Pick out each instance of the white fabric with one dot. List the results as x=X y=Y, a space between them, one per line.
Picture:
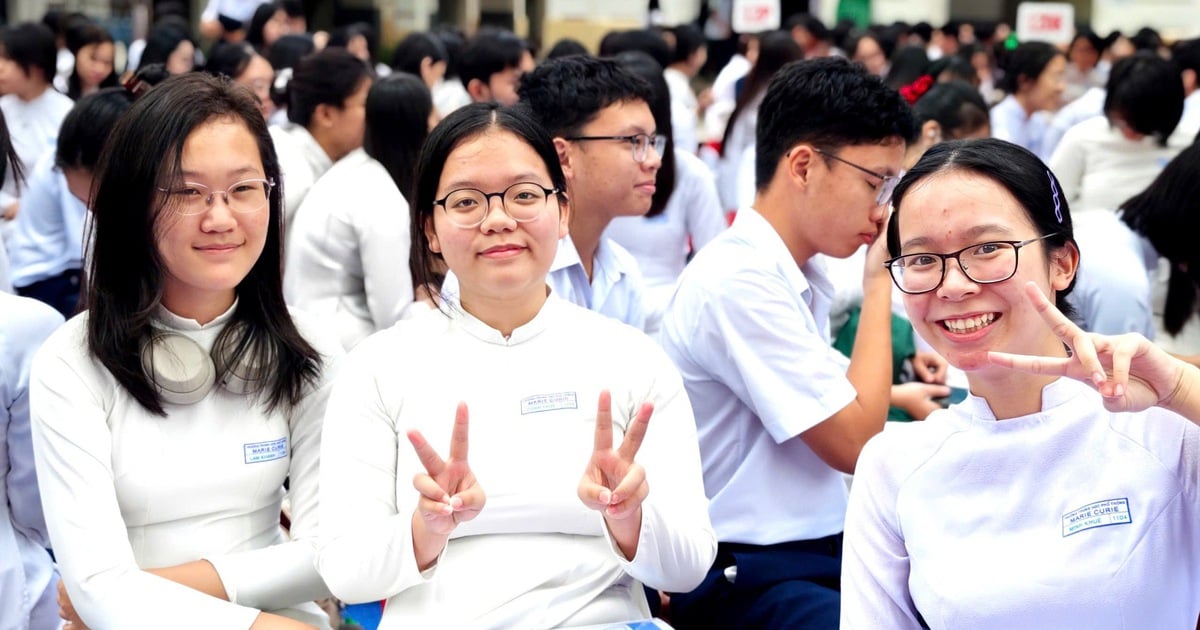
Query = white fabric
x=685 y=118
x=347 y=263
x=125 y=490
x=740 y=138
x=1189 y=123
x=1100 y=169
x=976 y=523
x=302 y=161
x=535 y=557
x=661 y=244
x=28 y=578
x=724 y=94
x=33 y=128
x=49 y=231
x=449 y=95
x=1011 y=123
x=241 y=10
x=1090 y=104
x=749 y=332
x=1116 y=268
x=5 y=282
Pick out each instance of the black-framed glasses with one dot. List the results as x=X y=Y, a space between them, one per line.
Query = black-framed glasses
x=981 y=263
x=641 y=143
x=244 y=197
x=468 y=207
x=888 y=183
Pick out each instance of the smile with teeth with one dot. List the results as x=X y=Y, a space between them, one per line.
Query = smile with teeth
x=969 y=324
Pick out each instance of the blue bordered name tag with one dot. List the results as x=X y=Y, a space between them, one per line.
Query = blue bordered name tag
x=1098 y=514
x=265 y=451
x=549 y=402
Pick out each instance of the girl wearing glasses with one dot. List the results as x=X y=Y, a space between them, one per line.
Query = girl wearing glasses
x=1064 y=491
x=503 y=532
x=167 y=417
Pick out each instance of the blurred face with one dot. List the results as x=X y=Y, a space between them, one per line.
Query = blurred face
x=348 y=122
x=182 y=59
x=1046 y=92
x=502 y=86
x=79 y=182
x=208 y=254
x=962 y=319
x=501 y=259
x=94 y=63
x=276 y=27
x=870 y=55
x=602 y=173
x=432 y=71
x=842 y=199
x=14 y=80
x=1083 y=54
x=357 y=46
x=258 y=76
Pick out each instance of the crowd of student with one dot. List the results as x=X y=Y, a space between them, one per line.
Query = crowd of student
x=506 y=343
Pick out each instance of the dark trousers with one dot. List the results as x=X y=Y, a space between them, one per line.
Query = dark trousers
x=787 y=585
x=60 y=292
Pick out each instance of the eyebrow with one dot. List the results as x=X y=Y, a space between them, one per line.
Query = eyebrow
x=528 y=176
x=237 y=172
x=974 y=232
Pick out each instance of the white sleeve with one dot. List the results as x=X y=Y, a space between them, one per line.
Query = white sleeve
x=705 y=218
x=875 y=564
x=1069 y=162
x=210 y=10
x=368 y=554
x=384 y=244
x=73 y=449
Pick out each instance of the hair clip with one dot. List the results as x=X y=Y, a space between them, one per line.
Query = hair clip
x=915 y=90
x=136 y=87
x=1057 y=200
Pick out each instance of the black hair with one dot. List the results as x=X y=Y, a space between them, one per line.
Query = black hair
x=10 y=163
x=31 y=45
x=1186 y=54
x=489 y=52
x=1082 y=31
x=283 y=57
x=1147 y=38
x=1165 y=213
x=776 y=49
x=146 y=77
x=908 y=63
x=415 y=48
x=461 y=125
x=957 y=107
x=923 y=31
x=1012 y=167
x=398 y=109
x=87 y=126
x=957 y=66
x=883 y=37
x=78 y=37
x=162 y=41
x=126 y=278
x=1028 y=60
x=566 y=47
x=294 y=8
x=567 y=93
x=327 y=77
x=830 y=103
x=230 y=59
x=342 y=36
x=810 y=23
x=1146 y=91
x=688 y=39
x=258 y=23
x=645 y=40
x=647 y=68
x=453 y=41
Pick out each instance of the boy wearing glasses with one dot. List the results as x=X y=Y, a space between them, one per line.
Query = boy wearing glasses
x=780 y=414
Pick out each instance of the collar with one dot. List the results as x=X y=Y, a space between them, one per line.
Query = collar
x=473 y=326
x=802 y=279
x=1059 y=393
x=171 y=321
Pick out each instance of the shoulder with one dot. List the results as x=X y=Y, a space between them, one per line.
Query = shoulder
x=622 y=259
x=67 y=348
x=690 y=166
x=321 y=337
x=27 y=320
x=904 y=447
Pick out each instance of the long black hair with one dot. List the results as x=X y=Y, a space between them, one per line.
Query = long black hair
x=77 y=38
x=775 y=50
x=398 y=109
x=126 y=278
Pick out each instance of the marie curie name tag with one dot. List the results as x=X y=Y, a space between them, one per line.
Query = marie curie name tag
x=549 y=402
x=265 y=451
x=1098 y=514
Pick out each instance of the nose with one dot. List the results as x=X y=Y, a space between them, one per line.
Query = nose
x=218 y=216
x=653 y=159
x=955 y=283
x=495 y=217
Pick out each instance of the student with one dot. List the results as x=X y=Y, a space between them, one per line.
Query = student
x=540 y=547
x=687 y=58
x=492 y=64
x=422 y=55
x=608 y=143
x=348 y=263
x=170 y=44
x=780 y=414
x=94 y=51
x=168 y=415
x=947 y=110
x=1033 y=80
x=267 y=25
x=1061 y=493
x=246 y=67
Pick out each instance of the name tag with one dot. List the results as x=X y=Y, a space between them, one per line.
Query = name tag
x=549 y=402
x=1098 y=514
x=265 y=451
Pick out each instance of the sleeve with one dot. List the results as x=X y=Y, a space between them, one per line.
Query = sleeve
x=705 y=219
x=5 y=282
x=875 y=563
x=384 y=244
x=73 y=450
x=39 y=236
x=676 y=545
x=286 y=574
x=1069 y=162
x=368 y=550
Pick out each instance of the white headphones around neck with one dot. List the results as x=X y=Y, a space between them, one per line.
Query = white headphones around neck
x=183 y=373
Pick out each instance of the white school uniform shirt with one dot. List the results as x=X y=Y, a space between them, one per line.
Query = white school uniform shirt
x=28 y=579
x=5 y=283
x=1089 y=105
x=749 y=331
x=661 y=244
x=1099 y=168
x=741 y=137
x=347 y=264
x=1010 y=122
x=1072 y=517
x=685 y=117
x=241 y=10
x=535 y=556
x=1189 y=123
x=724 y=94
x=1117 y=267
x=33 y=128
x=49 y=231
x=125 y=490
x=302 y=162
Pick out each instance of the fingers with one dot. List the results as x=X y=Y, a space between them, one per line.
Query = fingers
x=468 y=503
x=1057 y=366
x=636 y=432
x=1066 y=330
x=1122 y=356
x=458 y=439
x=629 y=493
x=604 y=430
x=930 y=367
x=429 y=488
x=429 y=458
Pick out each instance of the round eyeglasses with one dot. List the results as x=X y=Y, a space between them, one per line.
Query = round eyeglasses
x=468 y=207
x=981 y=263
x=641 y=143
x=244 y=197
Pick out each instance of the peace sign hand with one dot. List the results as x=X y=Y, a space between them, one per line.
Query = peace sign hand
x=449 y=492
x=1129 y=371
x=613 y=483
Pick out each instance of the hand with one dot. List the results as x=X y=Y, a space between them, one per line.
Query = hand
x=917 y=399
x=877 y=254
x=930 y=367
x=449 y=492
x=1129 y=371
x=67 y=611
x=10 y=211
x=613 y=483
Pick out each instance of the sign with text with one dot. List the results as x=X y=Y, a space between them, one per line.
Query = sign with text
x=1052 y=22
x=755 y=16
